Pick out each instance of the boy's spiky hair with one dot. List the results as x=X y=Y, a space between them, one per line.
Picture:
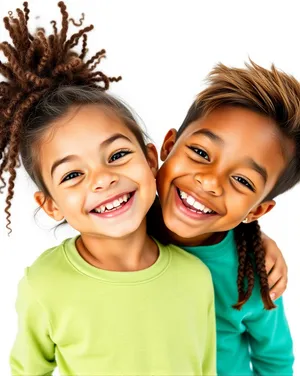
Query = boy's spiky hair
x=36 y=64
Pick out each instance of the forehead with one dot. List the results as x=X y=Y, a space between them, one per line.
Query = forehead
x=245 y=133
x=82 y=128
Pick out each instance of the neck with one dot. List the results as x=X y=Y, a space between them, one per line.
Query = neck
x=203 y=239
x=132 y=252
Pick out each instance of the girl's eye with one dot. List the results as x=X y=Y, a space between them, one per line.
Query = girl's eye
x=200 y=152
x=71 y=175
x=119 y=154
x=244 y=182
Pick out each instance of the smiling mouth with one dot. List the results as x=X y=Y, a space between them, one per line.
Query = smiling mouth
x=116 y=204
x=194 y=205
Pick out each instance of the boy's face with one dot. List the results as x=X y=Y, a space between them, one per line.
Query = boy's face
x=219 y=171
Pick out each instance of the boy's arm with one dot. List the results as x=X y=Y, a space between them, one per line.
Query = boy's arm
x=270 y=342
x=33 y=350
x=276 y=267
x=210 y=358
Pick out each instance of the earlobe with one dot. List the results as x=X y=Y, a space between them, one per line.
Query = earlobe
x=168 y=144
x=260 y=210
x=48 y=205
x=152 y=158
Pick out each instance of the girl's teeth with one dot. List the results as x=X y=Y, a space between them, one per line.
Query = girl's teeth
x=116 y=203
x=111 y=205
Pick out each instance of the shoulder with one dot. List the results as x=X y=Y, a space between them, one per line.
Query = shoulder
x=48 y=269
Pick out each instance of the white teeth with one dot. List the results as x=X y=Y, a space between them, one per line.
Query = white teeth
x=191 y=201
x=183 y=194
x=125 y=198
x=116 y=203
x=198 y=206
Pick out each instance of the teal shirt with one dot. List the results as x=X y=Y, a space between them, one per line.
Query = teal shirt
x=250 y=336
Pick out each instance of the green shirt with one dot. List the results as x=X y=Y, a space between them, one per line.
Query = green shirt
x=252 y=335
x=88 y=321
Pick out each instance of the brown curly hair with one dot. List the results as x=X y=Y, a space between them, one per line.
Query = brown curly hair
x=43 y=77
x=276 y=95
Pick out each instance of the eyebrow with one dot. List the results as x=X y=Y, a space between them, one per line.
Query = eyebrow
x=258 y=168
x=104 y=144
x=211 y=135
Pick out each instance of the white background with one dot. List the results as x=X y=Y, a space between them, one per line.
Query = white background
x=163 y=50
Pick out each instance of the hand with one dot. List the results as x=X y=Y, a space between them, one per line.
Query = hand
x=276 y=267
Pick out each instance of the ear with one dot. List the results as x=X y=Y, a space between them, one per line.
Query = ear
x=169 y=142
x=260 y=210
x=152 y=158
x=48 y=205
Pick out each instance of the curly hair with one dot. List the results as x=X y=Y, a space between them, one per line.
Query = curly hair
x=271 y=93
x=43 y=77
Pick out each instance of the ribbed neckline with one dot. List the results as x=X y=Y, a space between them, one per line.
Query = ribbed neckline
x=115 y=277
x=206 y=252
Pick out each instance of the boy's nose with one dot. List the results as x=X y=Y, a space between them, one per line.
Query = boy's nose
x=210 y=183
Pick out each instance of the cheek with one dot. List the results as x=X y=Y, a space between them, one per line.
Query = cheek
x=70 y=201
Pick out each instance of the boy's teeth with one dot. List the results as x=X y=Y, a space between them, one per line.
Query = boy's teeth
x=191 y=201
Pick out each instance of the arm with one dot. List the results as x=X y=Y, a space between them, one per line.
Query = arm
x=275 y=266
x=210 y=362
x=270 y=342
x=33 y=350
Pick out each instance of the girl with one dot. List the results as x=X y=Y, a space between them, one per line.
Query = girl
x=112 y=300
x=237 y=149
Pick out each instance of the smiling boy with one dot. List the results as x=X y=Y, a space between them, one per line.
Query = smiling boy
x=236 y=150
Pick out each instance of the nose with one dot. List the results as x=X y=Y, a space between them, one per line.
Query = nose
x=210 y=183
x=103 y=179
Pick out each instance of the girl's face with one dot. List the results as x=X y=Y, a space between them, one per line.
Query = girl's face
x=219 y=171
x=99 y=179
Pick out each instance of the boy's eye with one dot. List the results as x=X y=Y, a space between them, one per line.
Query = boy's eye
x=119 y=154
x=200 y=152
x=244 y=182
x=71 y=175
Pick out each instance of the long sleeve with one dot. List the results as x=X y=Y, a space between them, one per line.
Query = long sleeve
x=210 y=361
x=33 y=350
x=270 y=341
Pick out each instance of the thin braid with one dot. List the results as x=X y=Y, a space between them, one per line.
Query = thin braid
x=46 y=52
x=259 y=257
x=80 y=22
x=240 y=239
x=95 y=57
x=84 y=47
x=64 y=29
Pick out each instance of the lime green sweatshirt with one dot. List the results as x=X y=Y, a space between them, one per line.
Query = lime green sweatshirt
x=88 y=321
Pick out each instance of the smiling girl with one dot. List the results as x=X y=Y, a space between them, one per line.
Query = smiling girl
x=112 y=300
